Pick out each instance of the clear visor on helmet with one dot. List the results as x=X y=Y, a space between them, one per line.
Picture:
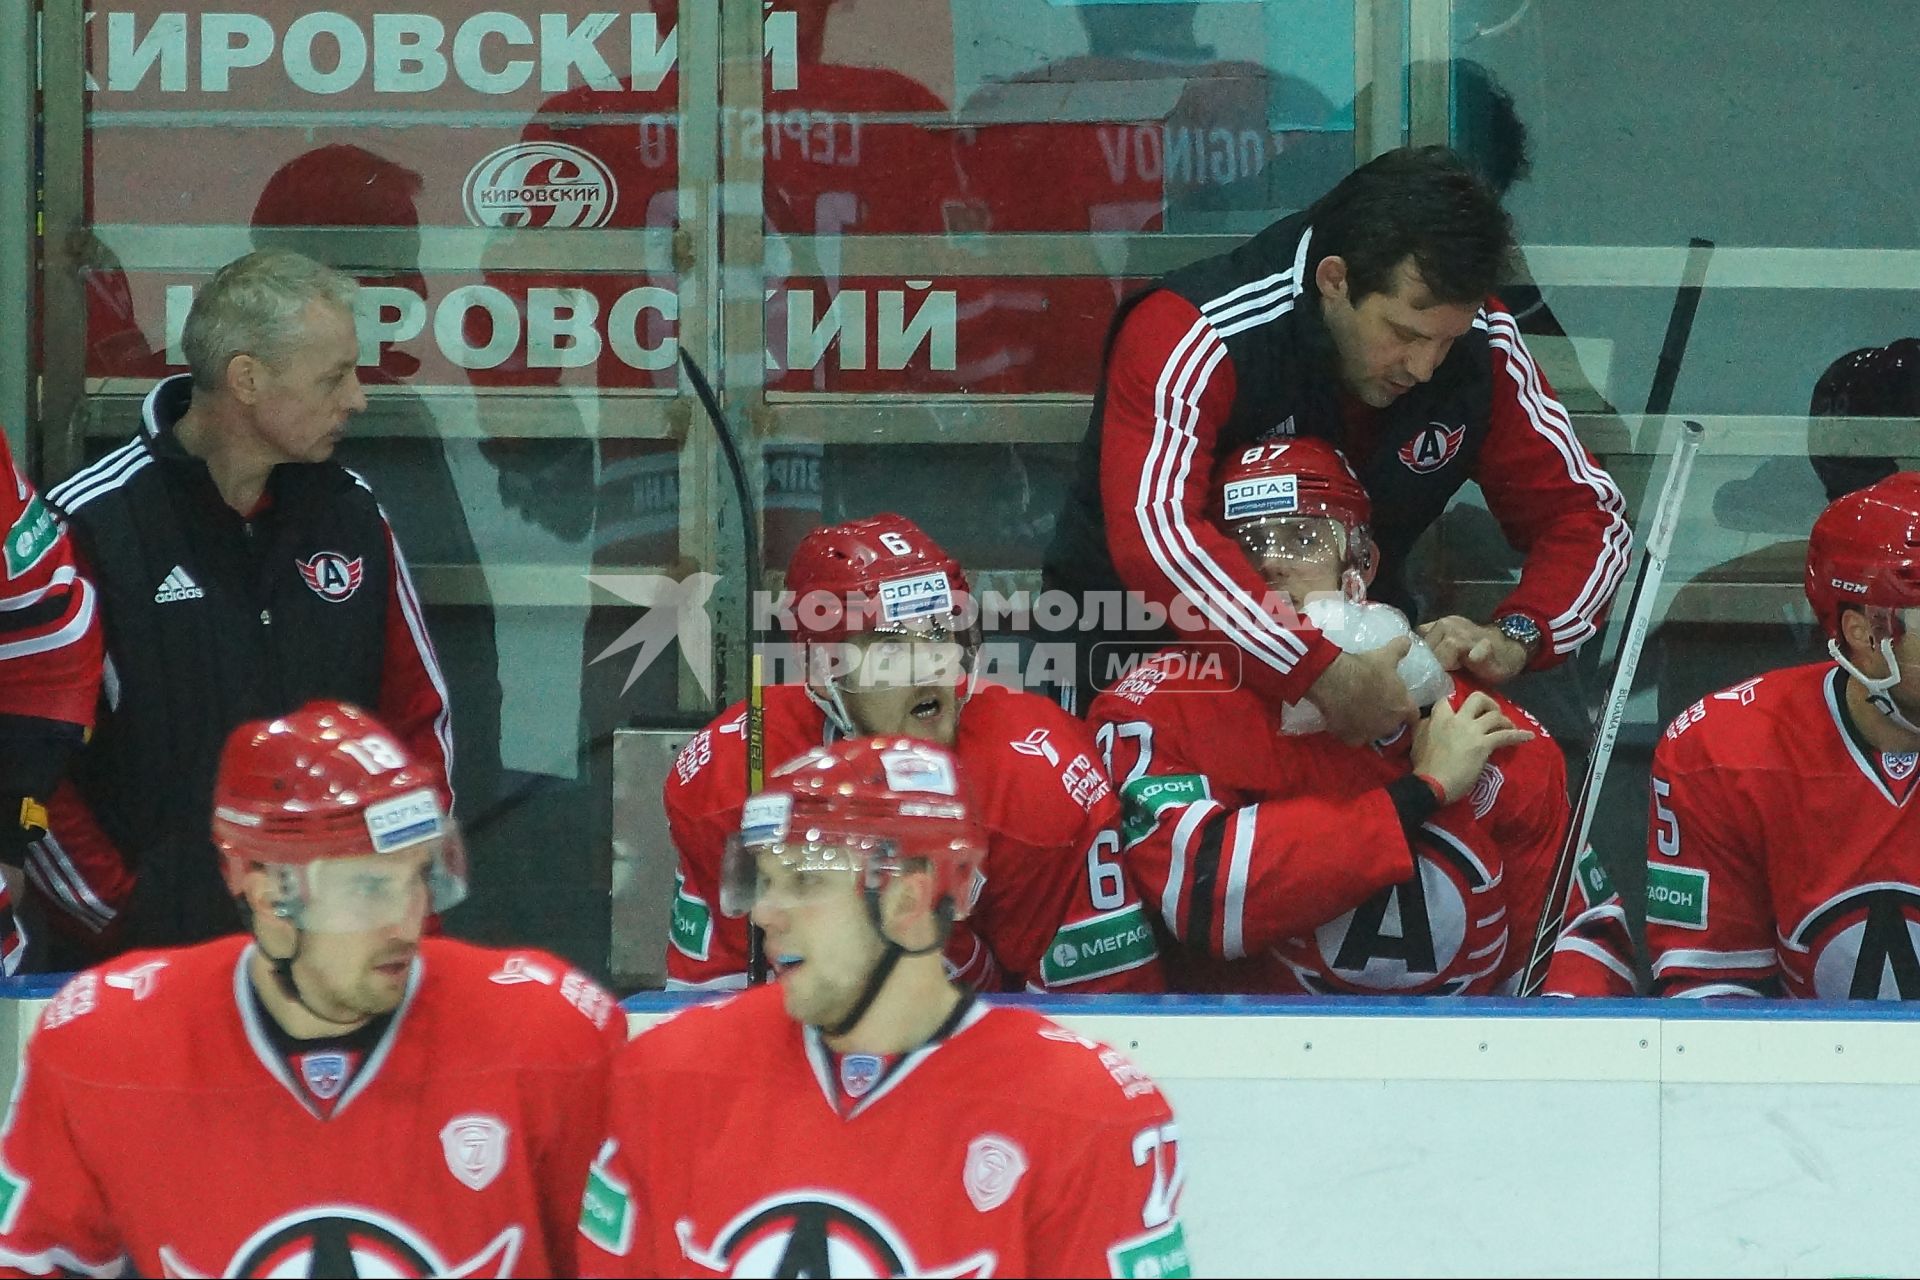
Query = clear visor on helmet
x=1296 y=540
x=898 y=656
x=811 y=866
x=1890 y=623
x=372 y=892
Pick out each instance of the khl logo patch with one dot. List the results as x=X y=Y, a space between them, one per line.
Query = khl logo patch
x=324 y=1074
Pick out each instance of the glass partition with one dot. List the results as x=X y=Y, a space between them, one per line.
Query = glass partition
x=892 y=234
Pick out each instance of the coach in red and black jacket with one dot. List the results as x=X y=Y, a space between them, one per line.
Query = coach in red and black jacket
x=241 y=573
x=1365 y=320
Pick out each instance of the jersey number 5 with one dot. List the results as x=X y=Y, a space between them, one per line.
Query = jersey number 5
x=1666 y=835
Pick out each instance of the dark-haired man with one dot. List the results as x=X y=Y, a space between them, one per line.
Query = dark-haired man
x=1365 y=320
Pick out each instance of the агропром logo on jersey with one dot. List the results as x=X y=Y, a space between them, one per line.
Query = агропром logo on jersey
x=540 y=184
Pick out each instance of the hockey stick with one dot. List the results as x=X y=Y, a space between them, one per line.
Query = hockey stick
x=1646 y=589
x=1666 y=373
x=750 y=542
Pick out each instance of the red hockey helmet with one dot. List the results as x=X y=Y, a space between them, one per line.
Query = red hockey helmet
x=1263 y=491
x=880 y=573
x=1864 y=551
x=872 y=806
x=307 y=794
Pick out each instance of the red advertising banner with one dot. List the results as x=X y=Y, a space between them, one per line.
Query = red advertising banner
x=509 y=329
x=401 y=175
x=531 y=115
x=1022 y=335
x=825 y=175
x=951 y=336
x=382 y=55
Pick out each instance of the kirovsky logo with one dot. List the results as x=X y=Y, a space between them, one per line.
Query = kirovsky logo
x=676 y=610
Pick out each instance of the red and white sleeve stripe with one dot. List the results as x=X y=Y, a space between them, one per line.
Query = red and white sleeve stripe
x=413 y=691
x=1170 y=386
x=1555 y=502
x=50 y=645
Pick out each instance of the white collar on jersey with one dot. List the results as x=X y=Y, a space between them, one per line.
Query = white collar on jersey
x=1835 y=688
x=277 y=1066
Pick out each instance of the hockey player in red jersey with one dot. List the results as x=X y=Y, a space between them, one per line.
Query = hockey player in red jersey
x=889 y=635
x=866 y=1115
x=50 y=667
x=1282 y=858
x=332 y=1095
x=1783 y=846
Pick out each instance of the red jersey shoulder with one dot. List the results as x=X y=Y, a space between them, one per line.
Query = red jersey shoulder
x=141 y=1011
x=1034 y=770
x=1753 y=722
x=712 y=1036
x=1157 y=323
x=710 y=773
x=528 y=1001
x=1209 y=714
x=1057 y=1069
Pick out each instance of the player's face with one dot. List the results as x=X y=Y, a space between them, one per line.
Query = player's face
x=820 y=940
x=1906 y=651
x=361 y=930
x=1392 y=341
x=905 y=686
x=304 y=399
x=1299 y=556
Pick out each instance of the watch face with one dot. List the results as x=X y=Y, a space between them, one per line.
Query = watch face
x=1524 y=630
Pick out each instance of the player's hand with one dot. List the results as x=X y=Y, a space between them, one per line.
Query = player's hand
x=1362 y=696
x=1451 y=747
x=1487 y=654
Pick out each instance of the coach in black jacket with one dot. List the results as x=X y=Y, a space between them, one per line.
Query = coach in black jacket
x=1365 y=320
x=241 y=574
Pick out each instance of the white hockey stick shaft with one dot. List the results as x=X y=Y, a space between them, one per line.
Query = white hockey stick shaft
x=1646 y=591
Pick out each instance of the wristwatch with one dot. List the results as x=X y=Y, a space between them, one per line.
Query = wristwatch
x=1520 y=628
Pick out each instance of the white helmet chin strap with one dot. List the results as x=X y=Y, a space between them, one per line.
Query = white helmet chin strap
x=1879 y=692
x=834 y=707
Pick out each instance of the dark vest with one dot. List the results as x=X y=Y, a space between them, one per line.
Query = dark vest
x=1286 y=383
x=212 y=620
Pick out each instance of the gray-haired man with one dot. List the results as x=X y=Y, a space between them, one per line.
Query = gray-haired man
x=242 y=573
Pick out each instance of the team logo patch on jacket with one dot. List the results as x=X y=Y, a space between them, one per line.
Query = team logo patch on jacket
x=1433 y=448
x=332 y=576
